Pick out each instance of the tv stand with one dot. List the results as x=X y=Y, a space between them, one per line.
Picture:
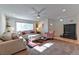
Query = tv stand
x=69 y=31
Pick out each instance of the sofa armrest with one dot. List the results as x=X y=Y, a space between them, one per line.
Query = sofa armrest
x=12 y=46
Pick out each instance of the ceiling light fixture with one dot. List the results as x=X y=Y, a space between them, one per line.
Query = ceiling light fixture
x=61 y=20
x=38 y=12
x=51 y=24
x=38 y=16
x=63 y=10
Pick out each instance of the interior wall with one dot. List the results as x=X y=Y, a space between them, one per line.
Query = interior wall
x=12 y=22
x=45 y=25
x=57 y=25
x=61 y=24
x=77 y=30
x=2 y=23
x=51 y=25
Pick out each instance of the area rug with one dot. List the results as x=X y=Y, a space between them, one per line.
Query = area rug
x=43 y=47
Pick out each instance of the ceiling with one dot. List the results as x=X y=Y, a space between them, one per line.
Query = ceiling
x=52 y=11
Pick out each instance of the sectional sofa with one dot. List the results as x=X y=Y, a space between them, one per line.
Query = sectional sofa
x=12 y=46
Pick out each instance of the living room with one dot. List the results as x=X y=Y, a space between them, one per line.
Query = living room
x=42 y=29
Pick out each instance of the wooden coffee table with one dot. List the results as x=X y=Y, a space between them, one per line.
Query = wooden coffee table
x=41 y=40
x=38 y=41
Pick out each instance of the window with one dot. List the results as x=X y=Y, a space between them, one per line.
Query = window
x=23 y=26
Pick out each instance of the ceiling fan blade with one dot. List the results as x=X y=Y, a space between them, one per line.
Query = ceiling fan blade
x=38 y=13
x=41 y=10
x=35 y=10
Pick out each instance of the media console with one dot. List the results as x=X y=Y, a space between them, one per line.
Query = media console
x=69 y=31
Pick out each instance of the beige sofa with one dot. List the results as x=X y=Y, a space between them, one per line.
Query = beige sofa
x=11 y=46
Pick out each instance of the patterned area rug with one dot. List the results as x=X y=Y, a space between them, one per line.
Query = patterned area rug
x=58 y=48
x=43 y=47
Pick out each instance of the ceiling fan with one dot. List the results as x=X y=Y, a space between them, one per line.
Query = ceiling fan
x=38 y=12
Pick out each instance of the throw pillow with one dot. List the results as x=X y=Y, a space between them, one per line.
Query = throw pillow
x=15 y=36
x=1 y=41
x=6 y=36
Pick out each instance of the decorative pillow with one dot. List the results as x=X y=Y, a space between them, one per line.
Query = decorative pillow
x=6 y=36
x=19 y=33
x=15 y=36
x=25 y=36
x=1 y=41
x=23 y=33
x=32 y=31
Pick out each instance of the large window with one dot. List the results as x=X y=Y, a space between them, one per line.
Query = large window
x=23 y=26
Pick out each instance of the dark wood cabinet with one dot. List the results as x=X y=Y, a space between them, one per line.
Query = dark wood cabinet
x=69 y=31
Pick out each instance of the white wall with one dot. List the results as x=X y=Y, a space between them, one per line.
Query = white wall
x=51 y=27
x=45 y=27
x=2 y=23
x=12 y=22
x=58 y=26
x=65 y=21
x=77 y=30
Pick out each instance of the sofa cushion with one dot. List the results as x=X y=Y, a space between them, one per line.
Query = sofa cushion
x=11 y=47
x=15 y=36
x=1 y=41
x=6 y=36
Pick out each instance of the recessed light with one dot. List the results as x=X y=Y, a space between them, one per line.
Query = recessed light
x=38 y=17
x=63 y=10
x=61 y=20
x=51 y=24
